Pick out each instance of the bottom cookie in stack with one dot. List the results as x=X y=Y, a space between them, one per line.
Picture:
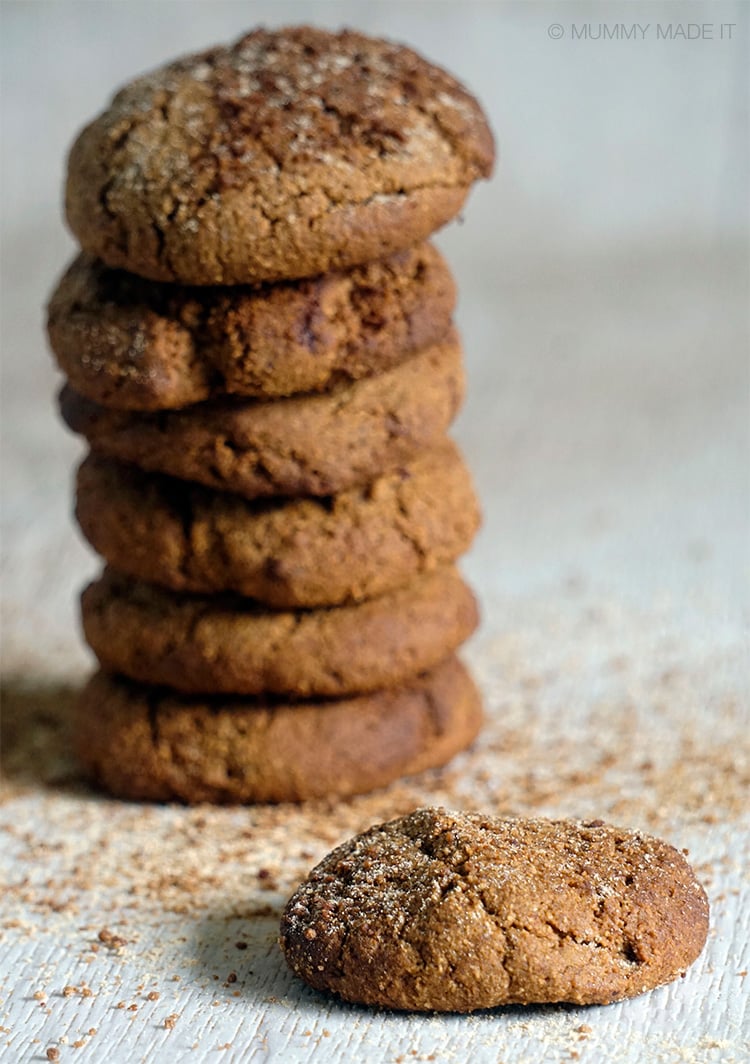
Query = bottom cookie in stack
x=144 y=742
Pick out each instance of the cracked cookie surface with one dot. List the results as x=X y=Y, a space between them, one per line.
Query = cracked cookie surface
x=459 y=911
x=288 y=553
x=287 y=154
x=144 y=743
x=137 y=345
x=231 y=645
x=303 y=445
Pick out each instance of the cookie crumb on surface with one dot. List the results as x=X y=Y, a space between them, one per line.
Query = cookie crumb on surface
x=111 y=940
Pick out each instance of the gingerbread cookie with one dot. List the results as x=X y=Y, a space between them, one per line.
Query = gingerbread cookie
x=307 y=445
x=229 y=645
x=135 y=345
x=459 y=911
x=142 y=743
x=288 y=154
x=299 y=552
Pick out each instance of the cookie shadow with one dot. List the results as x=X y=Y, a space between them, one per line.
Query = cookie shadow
x=238 y=954
x=36 y=734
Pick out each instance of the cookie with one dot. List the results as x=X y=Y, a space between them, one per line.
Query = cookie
x=142 y=743
x=308 y=445
x=231 y=645
x=300 y=552
x=135 y=345
x=459 y=911
x=287 y=154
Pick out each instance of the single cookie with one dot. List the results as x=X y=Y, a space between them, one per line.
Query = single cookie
x=309 y=445
x=458 y=911
x=288 y=154
x=142 y=743
x=301 y=552
x=231 y=645
x=136 y=345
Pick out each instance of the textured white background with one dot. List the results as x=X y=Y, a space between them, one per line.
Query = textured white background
x=604 y=283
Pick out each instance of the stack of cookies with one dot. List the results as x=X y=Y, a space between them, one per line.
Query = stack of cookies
x=259 y=352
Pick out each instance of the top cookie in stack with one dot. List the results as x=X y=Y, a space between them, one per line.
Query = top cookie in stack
x=259 y=351
x=287 y=155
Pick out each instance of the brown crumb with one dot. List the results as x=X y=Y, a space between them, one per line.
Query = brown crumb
x=79 y=1043
x=92 y=1031
x=133 y=1007
x=69 y=991
x=153 y=995
x=232 y=977
x=111 y=940
x=240 y=945
x=53 y=1053
x=39 y=995
x=171 y=1020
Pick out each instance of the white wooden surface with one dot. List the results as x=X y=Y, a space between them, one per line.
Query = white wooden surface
x=604 y=310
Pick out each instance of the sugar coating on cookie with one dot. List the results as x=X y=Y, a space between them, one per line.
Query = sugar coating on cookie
x=287 y=154
x=450 y=911
x=134 y=344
